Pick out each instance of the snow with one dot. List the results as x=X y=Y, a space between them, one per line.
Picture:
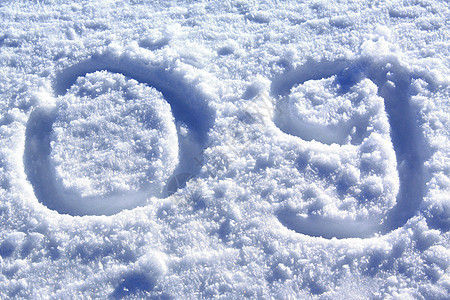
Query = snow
x=119 y=158
x=229 y=149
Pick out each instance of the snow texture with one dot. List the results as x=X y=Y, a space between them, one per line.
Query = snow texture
x=234 y=149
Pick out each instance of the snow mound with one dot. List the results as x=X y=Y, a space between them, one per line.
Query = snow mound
x=113 y=145
x=318 y=110
x=355 y=177
x=112 y=135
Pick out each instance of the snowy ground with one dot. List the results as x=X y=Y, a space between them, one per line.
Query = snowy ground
x=228 y=149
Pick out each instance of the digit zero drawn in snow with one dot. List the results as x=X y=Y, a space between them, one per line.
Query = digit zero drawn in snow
x=47 y=142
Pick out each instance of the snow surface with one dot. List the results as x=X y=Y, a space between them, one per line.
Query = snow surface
x=232 y=149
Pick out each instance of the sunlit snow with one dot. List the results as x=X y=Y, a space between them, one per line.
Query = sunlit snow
x=183 y=150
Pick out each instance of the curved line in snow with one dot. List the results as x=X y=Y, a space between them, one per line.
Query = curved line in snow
x=406 y=136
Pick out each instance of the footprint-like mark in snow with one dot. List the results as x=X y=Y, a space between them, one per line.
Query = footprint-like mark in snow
x=122 y=130
x=331 y=102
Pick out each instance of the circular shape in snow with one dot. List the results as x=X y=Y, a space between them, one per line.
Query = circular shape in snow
x=113 y=140
x=318 y=110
